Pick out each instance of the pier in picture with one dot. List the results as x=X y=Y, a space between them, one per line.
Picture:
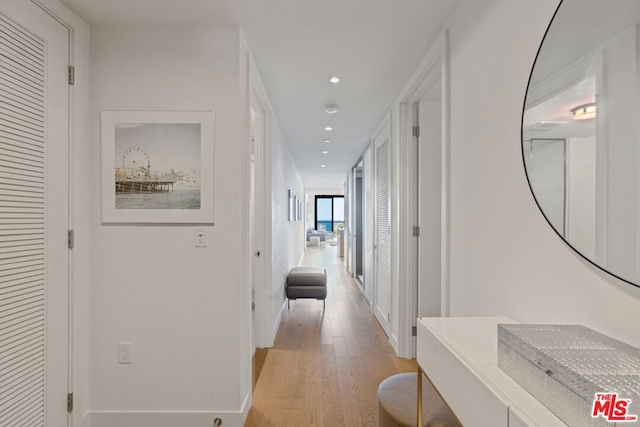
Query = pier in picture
x=157 y=166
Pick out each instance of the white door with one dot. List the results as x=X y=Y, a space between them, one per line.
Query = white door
x=260 y=296
x=253 y=237
x=353 y=229
x=349 y=226
x=382 y=233
x=429 y=207
x=34 y=203
x=367 y=242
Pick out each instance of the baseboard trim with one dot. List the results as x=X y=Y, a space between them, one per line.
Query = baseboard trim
x=246 y=407
x=283 y=307
x=394 y=343
x=165 y=419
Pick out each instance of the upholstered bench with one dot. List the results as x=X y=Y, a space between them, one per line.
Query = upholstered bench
x=397 y=403
x=306 y=282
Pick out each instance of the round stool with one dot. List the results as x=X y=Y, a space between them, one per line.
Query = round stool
x=397 y=398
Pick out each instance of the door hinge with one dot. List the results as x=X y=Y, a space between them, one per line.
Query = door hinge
x=72 y=75
x=70 y=239
x=70 y=402
x=414 y=333
x=416 y=131
x=416 y=231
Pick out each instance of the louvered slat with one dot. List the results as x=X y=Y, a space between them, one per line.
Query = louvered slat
x=9 y=26
x=16 y=178
x=19 y=343
x=21 y=39
x=23 y=385
x=25 y=318
x=383 y=234
x=16 y=98
x=27 y=361
x=8 y=257
x=22 y=226
x=22 y=62
x=14 y=106
x=27 y=79
x=19 y=411
x=25 y=350
x=22 y=84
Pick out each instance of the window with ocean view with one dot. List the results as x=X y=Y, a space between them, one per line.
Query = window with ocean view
x=329 y=212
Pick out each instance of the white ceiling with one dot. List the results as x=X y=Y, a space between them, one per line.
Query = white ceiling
x=152 y=12
x=372 y=45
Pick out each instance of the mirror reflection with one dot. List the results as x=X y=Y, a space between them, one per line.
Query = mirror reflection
x=580 y=131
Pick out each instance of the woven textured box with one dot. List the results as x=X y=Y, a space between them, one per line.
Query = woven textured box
x=564 y=366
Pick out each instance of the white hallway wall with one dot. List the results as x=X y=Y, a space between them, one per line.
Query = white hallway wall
x=288 y=237
x=179 y=305
x=505 y=259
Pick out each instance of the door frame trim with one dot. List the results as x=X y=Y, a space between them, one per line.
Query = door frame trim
x=79 y=204
x=259 y=101
x=435 y=65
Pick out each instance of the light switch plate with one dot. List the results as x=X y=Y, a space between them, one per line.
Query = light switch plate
x=201 y=238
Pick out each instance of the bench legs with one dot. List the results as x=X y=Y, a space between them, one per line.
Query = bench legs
x=324 y=302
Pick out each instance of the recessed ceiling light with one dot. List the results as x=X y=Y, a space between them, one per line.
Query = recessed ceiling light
x=328 y=128
x=330 y=109
x=323 y=166
x=327 y=140
x=325 y=152
x=334 y=80
x=584 y=112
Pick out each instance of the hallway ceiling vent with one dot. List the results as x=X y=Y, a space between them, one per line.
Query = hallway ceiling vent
x=330 y=109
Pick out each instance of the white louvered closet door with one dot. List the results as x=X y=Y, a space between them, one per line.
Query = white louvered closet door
x=34 y=216
x=382 y=302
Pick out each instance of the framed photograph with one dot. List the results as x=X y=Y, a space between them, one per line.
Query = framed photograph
x=290 y=205
x=294 y=206
x=157 y=166
x=300 y=210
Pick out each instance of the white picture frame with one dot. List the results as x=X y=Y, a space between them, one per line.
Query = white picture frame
x=294 y=208
x=157 y=167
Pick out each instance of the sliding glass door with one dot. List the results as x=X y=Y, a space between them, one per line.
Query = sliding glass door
x=329 y=212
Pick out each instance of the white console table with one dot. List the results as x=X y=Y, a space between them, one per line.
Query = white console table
x=460 y=357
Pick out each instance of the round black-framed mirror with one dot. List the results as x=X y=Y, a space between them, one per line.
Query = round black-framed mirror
x=580 y=131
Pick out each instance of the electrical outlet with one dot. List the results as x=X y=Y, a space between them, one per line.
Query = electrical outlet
x=124 y=352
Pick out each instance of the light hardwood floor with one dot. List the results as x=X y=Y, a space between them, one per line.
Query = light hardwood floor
x=324 y=369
